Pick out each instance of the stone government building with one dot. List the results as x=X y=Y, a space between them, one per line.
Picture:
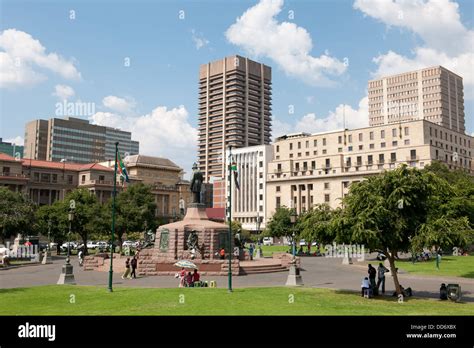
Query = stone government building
x=44 y=182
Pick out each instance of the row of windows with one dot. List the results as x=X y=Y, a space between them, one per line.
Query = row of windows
x=462 y=141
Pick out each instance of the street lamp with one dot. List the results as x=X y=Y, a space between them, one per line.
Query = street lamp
x=259 y=253
x=67 y=275
x=294 y=277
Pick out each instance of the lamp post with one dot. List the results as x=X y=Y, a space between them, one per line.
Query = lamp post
x=294 y=277
x=67 y=275
x=259 y=253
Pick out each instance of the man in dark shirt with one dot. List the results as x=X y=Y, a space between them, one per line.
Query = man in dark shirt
x=134 y=263
x=372 y=273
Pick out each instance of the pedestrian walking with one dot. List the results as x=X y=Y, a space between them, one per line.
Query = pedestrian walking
x=381 y=277
x=127 y=269
x=134 y=264
x=251 y=247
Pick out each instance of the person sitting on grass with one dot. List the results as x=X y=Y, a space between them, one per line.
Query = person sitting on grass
x=196 y=277
x=189 y=280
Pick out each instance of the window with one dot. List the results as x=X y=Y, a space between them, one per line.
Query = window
x=101 y=178
x=382 y=145
x=349 y=148
x=393 y=157
x=305 y=166
x=348 y=162
x=413 y=154
x=382 y=134
x=345 y=184
x=394 y=143
x=326 y=198
x=371 y=146
x=83 y=179
x=278 y=202
x=260 y=175
x=278 y=148
x=260 y=164
x=45 y=177
x=324 y=151
x=360 y=137
x=36 y=176
x=279 y=167
x=315 y=142
x=260 y=197
x=394 y=132
x=291 y=146
x=371 y=135
x=324 y=141
x=277 y=189
x=370 y=159
x=313 y=164
x=407 y=142
x=69 y=179
x=381 y=158
x=328 y=163
x=260 y=186
x=299 y=144
x=339 y=149
x=326 y=186
x=361 y=147
x=339 y=139
x=359 y=160
x=406 y=131
x=307 y=143
x=350 y=138
x=297 y=166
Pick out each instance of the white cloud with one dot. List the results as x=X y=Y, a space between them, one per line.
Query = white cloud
x=310 y=123
x=121 y=105
x=446 y=41
x=260 y=34
x=21 y=56
x=199 y=40
x=18 y=140
x=163 y=132
x=63 y=92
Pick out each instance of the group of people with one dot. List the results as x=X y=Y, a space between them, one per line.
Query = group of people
x=130 y=268
x=188 y=279
x=370 y=285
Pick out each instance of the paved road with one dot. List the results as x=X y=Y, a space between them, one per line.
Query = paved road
x=317 y=272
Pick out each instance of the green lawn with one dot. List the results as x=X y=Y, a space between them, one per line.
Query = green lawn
x=268 y=250
x=92 y=300
x=455 y=266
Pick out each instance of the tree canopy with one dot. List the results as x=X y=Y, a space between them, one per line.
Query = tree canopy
x=16 y=213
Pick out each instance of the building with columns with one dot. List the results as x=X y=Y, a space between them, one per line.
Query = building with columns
x=45 y=182
x=309 y=169
x=249 y=201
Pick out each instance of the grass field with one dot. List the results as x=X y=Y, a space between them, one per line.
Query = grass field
x=455 y=266
x=91 y=300
x=268 y=250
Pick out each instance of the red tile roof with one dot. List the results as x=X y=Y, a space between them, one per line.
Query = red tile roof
x=5 y=157
x=67 y=165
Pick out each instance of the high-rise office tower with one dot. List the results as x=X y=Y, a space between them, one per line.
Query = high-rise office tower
x=434 y=94
x=234 y=110
x=75 y=140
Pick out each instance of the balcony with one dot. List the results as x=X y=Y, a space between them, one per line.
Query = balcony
x=413 y=158
x=13 y=175
x=97 y=182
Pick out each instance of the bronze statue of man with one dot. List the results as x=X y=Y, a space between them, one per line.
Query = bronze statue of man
x=196 y=184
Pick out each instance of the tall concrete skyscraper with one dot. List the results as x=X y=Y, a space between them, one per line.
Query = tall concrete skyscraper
x=234 y=110
x=434 y=94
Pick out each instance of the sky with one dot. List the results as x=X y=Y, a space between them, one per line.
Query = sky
x=135 y=63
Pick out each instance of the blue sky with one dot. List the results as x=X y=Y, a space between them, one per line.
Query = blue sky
x=83 y=59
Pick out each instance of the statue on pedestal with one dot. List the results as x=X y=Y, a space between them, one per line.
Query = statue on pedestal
x=196 y=184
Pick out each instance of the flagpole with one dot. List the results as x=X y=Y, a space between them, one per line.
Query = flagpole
x=111 y=270
x=230 y=221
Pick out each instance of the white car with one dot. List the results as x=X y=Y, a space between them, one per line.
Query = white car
x=267 y=241
x=72 y=246
x=302 y=242
x=130 y=244
x=91 y=245
x=102 y=245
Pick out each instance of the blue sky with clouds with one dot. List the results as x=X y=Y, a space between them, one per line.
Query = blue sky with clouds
x=322 y=54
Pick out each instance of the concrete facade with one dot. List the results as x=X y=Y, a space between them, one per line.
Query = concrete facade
x=434 y=94
x=234 y=110
x=309 y=169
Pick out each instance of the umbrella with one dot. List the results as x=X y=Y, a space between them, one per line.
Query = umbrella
x=185 y=264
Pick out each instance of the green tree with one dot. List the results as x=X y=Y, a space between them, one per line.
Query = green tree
x=316 y=224
x=50 y=218
x=394 y=211
x=135 y=207
x=280 y=224
x=16 y=213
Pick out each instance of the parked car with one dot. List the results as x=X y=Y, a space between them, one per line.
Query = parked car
x=130 y=244
x=267 y=241
x=72 y=246
x=102 y=245
x=91 y=245
x=303 y=242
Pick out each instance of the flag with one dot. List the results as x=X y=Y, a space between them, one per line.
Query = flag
x=233 y=167
x=122 y=170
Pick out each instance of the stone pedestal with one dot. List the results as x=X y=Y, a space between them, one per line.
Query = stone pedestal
x=67 y=275
x=46 y=258
x=294 y=277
